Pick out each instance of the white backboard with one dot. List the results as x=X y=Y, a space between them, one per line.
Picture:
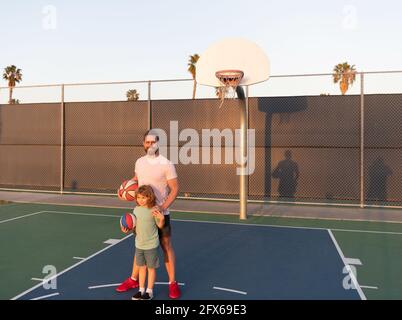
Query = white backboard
x=229 y=54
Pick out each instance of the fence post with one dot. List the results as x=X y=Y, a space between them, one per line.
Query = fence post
x=62 y=141
x=149 y=106
x=362 y=196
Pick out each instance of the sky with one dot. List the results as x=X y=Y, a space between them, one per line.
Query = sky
x=91 y=41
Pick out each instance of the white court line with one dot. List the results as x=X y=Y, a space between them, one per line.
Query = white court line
x=368 y=231
x=210 y=212
x=69 y=268
x=112 y=241
x=353 y=261
x=116 y=284
x=351 y=274
x=83 y=214
x=235 y=223
x=78 y=258
x=104 y=286
x=44 y=281
x=123 y=208
x=179 y=283
x=369 y=287
x=47 y=296
x=288 y=227
x=217 y=222
x=230 y=290
x=63 y=212
x=207 y=212
x=20 y=217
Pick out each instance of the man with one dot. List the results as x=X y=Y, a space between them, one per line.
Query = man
x=155 y=170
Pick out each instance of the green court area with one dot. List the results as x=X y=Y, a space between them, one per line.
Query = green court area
x=33 y=236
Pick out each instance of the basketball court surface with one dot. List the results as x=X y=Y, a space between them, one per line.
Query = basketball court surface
x=218 y=256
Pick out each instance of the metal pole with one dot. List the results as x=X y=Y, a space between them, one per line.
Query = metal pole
x=362 y=140
x=149 y=106
x=62 y=141
x=244 y=156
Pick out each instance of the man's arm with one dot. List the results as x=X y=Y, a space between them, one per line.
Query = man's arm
x=174 y=191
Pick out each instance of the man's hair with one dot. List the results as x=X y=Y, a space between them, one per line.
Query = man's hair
x=152 y=133
x=148 y=192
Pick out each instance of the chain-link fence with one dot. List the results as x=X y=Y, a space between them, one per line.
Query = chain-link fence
x=383 y=139
x=307 y=148
x=311 y=143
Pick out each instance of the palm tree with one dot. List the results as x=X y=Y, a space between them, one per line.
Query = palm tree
x=192 y=69
x=13 y=76
x=132 y=95
x=346 y=74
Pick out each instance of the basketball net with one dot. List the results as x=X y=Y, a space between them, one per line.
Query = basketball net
x=229 y=79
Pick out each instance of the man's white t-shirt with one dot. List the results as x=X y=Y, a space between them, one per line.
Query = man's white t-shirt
x=155 y=171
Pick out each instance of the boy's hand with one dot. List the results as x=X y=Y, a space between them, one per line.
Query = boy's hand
x=125 y=230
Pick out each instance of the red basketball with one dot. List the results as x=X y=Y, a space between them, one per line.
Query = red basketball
x=128 y=221
x=128 y=189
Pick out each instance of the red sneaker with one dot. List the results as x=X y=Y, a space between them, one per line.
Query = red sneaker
x=127 y=285
x=174 y=290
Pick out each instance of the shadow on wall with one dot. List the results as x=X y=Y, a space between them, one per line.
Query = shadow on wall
x=378 y=172
x=287 y=170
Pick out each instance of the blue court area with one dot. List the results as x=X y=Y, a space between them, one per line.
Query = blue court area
x=219 y=261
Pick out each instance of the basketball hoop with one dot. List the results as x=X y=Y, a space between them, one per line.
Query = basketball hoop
x=230 y=80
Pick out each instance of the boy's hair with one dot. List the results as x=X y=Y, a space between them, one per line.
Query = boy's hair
x=147 y=192
x=152 y=133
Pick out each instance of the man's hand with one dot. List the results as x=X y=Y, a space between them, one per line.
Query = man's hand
x=118 y=195
x=160 y=218
x=160 y=208
x=158 y=214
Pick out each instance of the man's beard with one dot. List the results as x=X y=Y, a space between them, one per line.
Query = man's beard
x=152 y=150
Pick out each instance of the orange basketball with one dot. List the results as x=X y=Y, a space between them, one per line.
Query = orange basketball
x=128 y=189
